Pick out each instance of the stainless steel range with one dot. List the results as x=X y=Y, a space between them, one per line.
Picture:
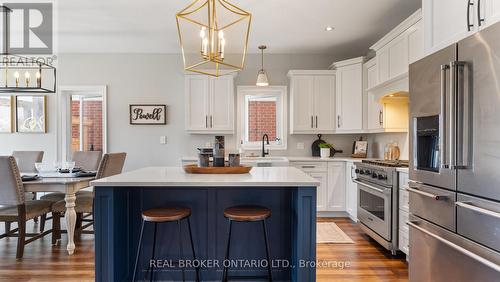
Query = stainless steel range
x=378 y=200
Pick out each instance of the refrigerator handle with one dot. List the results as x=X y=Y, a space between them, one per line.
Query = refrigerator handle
x=463 y=124
x=452 y=115
x=442 y=129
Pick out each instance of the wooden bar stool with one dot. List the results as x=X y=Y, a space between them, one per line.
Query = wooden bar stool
x=247 y=214
x=162 y=215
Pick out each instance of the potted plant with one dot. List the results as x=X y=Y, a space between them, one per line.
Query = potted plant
x=324 y=150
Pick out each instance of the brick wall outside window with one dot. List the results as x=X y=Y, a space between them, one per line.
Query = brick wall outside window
x=92 y=125
x=261 y=120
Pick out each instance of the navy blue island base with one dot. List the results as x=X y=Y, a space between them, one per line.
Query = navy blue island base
x=291 y=230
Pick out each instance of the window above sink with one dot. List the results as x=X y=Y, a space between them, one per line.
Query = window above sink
x=262 y=110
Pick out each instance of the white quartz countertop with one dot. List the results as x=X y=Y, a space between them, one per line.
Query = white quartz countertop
x=291 y=159
x=175 y=177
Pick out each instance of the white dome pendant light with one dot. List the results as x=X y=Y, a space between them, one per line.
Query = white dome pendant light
x=262 y=77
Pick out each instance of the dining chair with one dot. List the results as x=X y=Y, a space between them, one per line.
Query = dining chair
x=15 y=208
x=87 y=160
x=26 y=163
x=111 y=164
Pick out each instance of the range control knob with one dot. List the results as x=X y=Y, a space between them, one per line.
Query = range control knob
x=382 y=177
x=367 y=172
x=374 y=175
x=357 y=170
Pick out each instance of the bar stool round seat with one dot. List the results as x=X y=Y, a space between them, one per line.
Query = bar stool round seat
x=247 y=213
x=166 y=214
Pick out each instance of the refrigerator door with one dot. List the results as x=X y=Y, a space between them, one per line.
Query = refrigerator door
x=432 y=150
x=439 y=255
x=478 y=141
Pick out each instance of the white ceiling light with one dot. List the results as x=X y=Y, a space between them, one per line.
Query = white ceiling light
x=262 y=76
x=329 y=28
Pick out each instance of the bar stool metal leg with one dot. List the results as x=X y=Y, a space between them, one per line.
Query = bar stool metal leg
x=180 y=249
x=197 y=269
x=153 y=255
x=269 y=272
x=226 y=258
x=138 y=251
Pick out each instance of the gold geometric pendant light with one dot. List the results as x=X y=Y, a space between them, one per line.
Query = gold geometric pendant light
x=213 y=35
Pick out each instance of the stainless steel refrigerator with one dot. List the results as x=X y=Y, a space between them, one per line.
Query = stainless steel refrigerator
x=455 y=162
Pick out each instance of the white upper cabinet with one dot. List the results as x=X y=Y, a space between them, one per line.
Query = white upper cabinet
x=371 y=73
x=448 y=21
x=349 y=96
x=399 y=48
x=209 y=104
x=312 y=102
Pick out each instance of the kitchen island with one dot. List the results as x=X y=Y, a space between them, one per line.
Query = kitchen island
x=289 y=193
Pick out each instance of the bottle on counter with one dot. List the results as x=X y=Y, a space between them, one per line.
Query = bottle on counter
x=218 y=151
x=395 y=152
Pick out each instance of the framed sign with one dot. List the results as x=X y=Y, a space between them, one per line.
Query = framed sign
x=148 y=114
x=360 y=149
x=31 y=114
x=6 y=113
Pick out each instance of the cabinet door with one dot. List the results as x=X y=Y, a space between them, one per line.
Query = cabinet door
x=375 y=113
x=490 y=11
x=324 y=104
x=322 y=190
x=398 y=56
x=197 y=97
x=221 y=118
x=351 y=192
x=371 y=76
x=445 y=22
x=336 y=186
x=415 y=42
x=302 y=101
x=383 y=65
x=350 y=98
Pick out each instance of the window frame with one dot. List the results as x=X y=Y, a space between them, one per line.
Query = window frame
x=281 y=116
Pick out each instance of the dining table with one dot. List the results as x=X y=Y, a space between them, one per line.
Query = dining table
x=67 y=183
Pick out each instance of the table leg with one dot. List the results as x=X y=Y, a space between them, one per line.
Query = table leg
x=70 y=217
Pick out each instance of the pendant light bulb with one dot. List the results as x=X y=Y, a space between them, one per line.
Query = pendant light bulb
x=262 y=76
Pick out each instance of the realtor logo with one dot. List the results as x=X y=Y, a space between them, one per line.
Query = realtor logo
x=31 y=28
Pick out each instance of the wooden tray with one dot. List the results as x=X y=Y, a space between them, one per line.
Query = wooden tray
x=195 y=169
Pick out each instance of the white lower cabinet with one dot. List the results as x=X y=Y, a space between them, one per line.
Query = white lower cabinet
x=330 y=196
x=404 y=243
x=322 y=190
x=336 y=186
x=351 y=192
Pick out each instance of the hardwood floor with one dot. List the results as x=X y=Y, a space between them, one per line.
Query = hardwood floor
x=363 y=261
x=367 y=260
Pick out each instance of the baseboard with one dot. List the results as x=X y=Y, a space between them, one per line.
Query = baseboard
x=332 y=214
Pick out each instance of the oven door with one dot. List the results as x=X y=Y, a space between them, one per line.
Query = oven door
x=374 y=208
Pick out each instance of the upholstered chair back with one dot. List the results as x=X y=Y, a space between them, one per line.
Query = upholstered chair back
x=11 y=185
x=27 y=159
x=88 y=160
x=111 y=164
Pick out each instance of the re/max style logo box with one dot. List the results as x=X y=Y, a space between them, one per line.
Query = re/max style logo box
x=27 y=28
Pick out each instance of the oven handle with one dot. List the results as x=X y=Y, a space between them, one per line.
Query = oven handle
x=369 y=186
x=426 y=194
x=456 y=247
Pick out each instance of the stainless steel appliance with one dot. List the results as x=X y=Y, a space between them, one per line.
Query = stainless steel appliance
x=454 y=160
x=378 y=200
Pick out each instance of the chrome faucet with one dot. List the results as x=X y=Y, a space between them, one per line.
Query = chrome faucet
x=264 y=153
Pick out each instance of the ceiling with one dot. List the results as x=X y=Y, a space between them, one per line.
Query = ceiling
x=286 y=26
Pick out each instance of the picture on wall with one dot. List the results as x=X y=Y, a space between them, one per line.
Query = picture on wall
x=148 y=114
x=31 y=114
x=6 y=111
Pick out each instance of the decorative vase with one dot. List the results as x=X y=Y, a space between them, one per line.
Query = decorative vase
x=325 y=153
